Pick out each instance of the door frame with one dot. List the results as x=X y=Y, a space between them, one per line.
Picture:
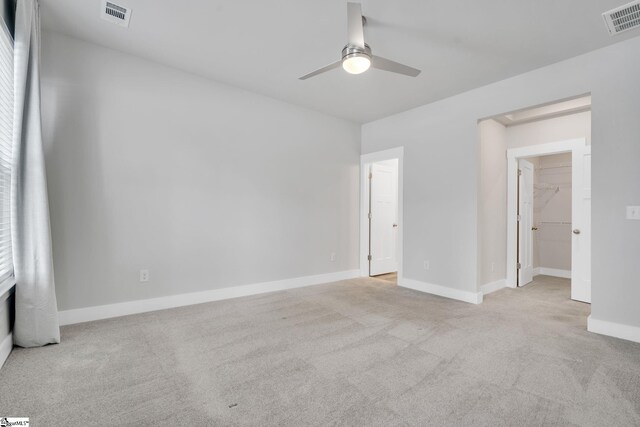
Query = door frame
x=365 y=162
x=513 y=154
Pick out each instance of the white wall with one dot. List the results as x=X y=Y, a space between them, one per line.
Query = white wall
x=205 y=185
x=562 y=128
x=441 y=168
x=492 y=202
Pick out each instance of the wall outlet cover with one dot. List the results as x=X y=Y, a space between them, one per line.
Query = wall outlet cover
x=633 y=212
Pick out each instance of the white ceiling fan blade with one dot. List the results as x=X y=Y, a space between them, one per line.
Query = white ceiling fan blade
x=321 y=70
x=395 y=67
x=355 y=32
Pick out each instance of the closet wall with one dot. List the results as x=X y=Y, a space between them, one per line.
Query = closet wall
x=552 y=213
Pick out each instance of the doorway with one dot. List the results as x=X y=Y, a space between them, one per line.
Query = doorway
x=544 y=209
x=528 y=196
x=381 y=215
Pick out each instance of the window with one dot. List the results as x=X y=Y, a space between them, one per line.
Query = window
x=6 y=142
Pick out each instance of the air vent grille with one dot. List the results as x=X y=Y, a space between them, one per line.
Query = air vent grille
x=115 y=10
x=623 y=18
x=115 y=13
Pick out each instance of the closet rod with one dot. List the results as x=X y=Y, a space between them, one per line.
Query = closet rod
x=553 y=167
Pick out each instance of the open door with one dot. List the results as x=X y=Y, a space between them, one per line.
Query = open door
x=581 y=225
x=525 y=222
x=383 y=215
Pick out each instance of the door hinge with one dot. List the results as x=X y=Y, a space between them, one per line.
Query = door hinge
x=519 y=266
x=519 y=172
x=370 y=175
x=517 y=217
x=369 y=215
x=368 y=257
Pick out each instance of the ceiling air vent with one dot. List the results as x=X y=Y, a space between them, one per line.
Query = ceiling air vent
x=115 y=13
x=623 y=18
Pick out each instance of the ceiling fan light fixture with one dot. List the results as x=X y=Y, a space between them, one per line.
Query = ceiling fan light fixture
x=356 y=59
x=356 y=63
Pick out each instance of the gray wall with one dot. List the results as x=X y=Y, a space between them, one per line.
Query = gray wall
x=492 y=202
x=441 y=169
x=205 y=185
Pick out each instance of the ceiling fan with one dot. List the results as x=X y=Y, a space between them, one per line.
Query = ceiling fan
x=356 y=55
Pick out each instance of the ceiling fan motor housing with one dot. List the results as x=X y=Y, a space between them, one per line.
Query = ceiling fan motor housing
x=351 y=51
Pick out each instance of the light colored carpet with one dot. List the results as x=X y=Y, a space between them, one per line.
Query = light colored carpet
x=359 y=352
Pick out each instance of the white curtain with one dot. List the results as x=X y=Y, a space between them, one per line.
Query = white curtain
x=36 y=318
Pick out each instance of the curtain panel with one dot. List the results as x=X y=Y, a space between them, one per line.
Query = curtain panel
x=36 y=313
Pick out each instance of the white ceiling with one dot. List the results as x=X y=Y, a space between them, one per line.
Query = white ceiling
x=265 y=45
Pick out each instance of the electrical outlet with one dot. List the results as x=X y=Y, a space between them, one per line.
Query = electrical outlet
x=333 y=257
x=633 y=212
x=144 y=275
x=493 y=267
x=426 y=265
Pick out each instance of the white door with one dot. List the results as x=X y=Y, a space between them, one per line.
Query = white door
x=383 y=217
x=525 y=222
x=581 y=225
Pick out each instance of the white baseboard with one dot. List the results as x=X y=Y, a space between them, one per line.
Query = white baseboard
x=79 y=315
x=493 y=286
x=617 y=330
x=555 y=272
x=443 y=291
x=5 y=348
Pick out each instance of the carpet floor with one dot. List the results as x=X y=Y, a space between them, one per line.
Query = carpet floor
x=357 y=352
